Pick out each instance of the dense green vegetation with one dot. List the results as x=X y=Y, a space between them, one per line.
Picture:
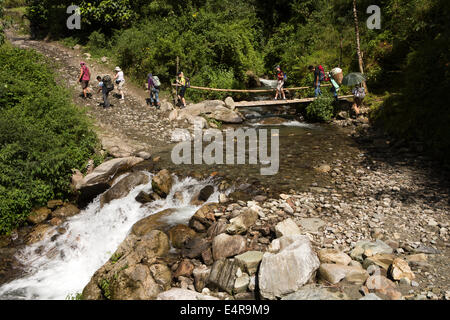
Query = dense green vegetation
x=42 y=136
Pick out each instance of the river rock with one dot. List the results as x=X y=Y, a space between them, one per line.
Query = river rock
x=185 y=269
x=37 y=234
x=324 y=168
x=134 y=283
x=123 y=187
x=383 y=260
x=217 y=228
x=180 y=234
x=52 y=204
x=334 y=256
x=311 y=225
x=66 y=211
x=162 y=183
x=194 y=247
x=286 y=228
x=311 y=292
x=420 y=257
x=367 y=248
x=162 y=275
x=379 y=283
x=100 y=179
x=229 y=103
x=333 y=273
x=203 y=195
x=204 y=215
x=249 y=261
x=400 y=269
x=213 y=109
x=157 y=221
x=201 y=275
x=144 y=197
x=224 y=246
x=276 y=275
x=183 y=294
x=39 y=215
x=242 y=222
x=223 y=275
x=241 y=283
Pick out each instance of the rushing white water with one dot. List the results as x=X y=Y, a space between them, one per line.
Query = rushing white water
x=269 y=83
x=292 y=123
x=63 y=266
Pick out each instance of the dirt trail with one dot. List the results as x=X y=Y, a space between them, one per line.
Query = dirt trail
x=126 y=128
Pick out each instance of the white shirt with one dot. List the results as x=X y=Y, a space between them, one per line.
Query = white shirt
x=120 y=76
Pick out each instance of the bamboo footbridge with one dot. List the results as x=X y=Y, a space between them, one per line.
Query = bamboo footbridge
x=260 y=103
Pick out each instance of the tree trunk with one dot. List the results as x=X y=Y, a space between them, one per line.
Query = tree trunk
x=358 y=46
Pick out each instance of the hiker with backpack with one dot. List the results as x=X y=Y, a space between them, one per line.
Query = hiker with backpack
x=359 y=93
x=319 y=76
x=106 y=85
x=153 y=86
x=84 y=78
x=281 y=77
x=120 y=81
x=183 y=84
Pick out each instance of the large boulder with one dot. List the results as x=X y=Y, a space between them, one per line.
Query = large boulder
x=66 y=211
x=162 y=183
x=123 y=187
x=213 y=109
x=157 y=221
x=277 y=276
x=204 y=216
x=180 y=234
x=286 y=228
x=101 y=178
x=39 y=215
x=225 y=246
x=223 y=275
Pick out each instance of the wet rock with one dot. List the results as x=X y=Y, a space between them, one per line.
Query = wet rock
x=185 y=269
x=277 y=277
x=224 y=246
x=249 y=261
x=157 y=221
x=194 y=247
x=144 y=197
x=123 y=187
x=241 y=223
x=213 y=109
x=312 y=292
x=144 y=155
x=272 y=121
x=183 y=294
x=205 y=193
x=324 y=168
x=205 y=215
x=66 y=211
x=38 y=215
x=180 y=234
x=55 y=221
x=286 y=228
x=162 y=183
x=333 y=273
x=37 y=234
x=100 y=179
x=400 y=269
x=223 y=275
x=333 y=256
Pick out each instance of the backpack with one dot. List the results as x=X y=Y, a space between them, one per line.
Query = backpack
x=188 y=82
x=284 y=76
x=107 y=82
x=156 y=81
x=360 y=93
x=321 y=73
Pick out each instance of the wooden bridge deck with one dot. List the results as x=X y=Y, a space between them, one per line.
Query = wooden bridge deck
x=262 y=103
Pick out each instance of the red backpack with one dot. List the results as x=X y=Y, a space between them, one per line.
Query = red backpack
x=322 y=76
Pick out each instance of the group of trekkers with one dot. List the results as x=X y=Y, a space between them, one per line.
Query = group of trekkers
x=335 y=76
x=105 y=84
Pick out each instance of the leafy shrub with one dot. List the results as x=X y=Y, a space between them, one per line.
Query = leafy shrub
x=42 y=136
x=320 y=109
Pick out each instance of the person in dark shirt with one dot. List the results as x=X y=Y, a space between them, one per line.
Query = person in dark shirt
x=317 y=79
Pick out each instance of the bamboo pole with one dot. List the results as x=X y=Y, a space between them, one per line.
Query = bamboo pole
x=248 y=90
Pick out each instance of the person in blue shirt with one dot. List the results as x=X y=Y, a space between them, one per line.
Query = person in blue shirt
x=105 y=92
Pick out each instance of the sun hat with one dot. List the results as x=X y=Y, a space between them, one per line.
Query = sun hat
x=117 y=69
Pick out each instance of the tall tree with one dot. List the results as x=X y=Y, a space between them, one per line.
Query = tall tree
x=358 y=46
